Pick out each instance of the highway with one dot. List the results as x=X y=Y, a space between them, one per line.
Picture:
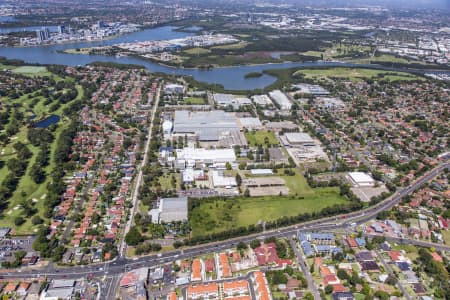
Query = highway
x=122 y=264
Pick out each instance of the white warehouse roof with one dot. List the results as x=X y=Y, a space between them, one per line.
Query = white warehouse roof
x=207 y=155
x=361 y=178
x=222 y=181
x=299 y=138
x=280 y=98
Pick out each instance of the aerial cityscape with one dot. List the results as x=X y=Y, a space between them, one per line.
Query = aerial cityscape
x=225 y=149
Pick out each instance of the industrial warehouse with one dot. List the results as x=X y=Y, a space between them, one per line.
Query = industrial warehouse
x=208 y=126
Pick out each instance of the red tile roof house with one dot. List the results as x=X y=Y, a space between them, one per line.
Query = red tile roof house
x=330 y=279
x=266 y=254
x=352 y=242
x=436 y=257
x=339 y=288
x=395 y=255
x=209 y=265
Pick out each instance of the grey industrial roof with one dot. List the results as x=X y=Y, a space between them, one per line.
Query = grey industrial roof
x=173 y=204
x=208 y=125
x=60 y=283
x=61 y=293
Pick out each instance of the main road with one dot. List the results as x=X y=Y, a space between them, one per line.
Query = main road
x=123 y=264
x=138 y=182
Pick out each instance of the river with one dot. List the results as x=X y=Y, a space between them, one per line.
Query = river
x=232 y=78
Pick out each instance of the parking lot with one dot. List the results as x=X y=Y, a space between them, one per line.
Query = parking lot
x=9 y=246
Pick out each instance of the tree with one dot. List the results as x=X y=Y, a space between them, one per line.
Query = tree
x=36 y=220
x=255 y=244
x=308 y=296
x=16 y=166
x=228 y=166
x=242 y=165
x=177 y=244
x=391 y=280
x=19 y=221
x=381 y=295
x=241 y=246
x=133 y=237
x=342 y=274
x=176 y=268
x=328 y=289
x=238 y=180
x=37 y=173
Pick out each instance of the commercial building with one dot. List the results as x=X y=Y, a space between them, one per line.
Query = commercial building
x=170 y=210
x=223 y=99
x=222 y=181
x=262 y=100
x=280 y=98
x=311 y=89
x=173 y=88
x=167 y=127
x=43 y=34
x=230 y=100
x=59 y=289
x=190 y=175
x=299 y=138
x=361 y=179
x=199 y=156
x=206 y=125
x=250 y=123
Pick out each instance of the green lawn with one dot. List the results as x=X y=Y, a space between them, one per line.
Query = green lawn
x=446 y=236
x=196 y=51
x=259 y=138
x=239 y=45
x=355 y=74
x=166 y=181
x=194 y=101
x=386 y=58
x=32 y=70
x=221 y=215
x=297 y=184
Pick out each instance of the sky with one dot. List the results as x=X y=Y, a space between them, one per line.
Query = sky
x=388 y=3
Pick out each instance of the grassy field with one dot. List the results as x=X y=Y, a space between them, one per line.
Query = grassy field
x=195 y=101
x=297 y=184
x=32 y=70
x=386 y=58
x=196 y=50
x=228 y=214
x=259 y=137
x=354 y=74
x=232 y=213
x=166 y=181
x=239 y=45
x=446 y=236
x=340 y=51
